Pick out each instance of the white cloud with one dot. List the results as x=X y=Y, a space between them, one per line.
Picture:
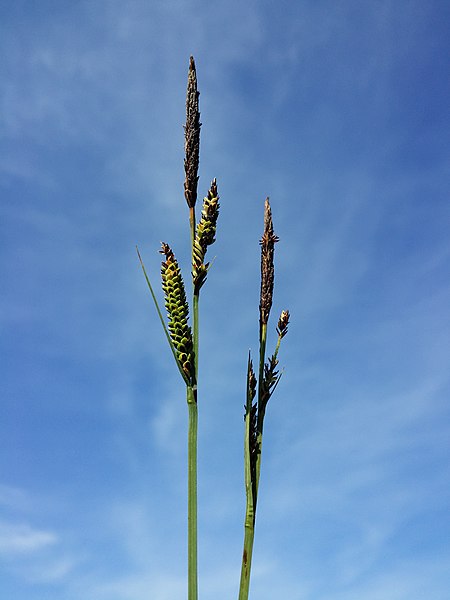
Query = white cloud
x=33 y=554
x=402 y=581
x=14 y=497
x=46 y=570
x=158 y=586
x=24 y=539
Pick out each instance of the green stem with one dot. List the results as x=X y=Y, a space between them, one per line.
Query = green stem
x=195 y=301
x=247 y=559
x=250 y=491
x=196 y=295
x=249 y=528
x=192 y=226
x=252 y=486
x=192 y=494
x=192 y=444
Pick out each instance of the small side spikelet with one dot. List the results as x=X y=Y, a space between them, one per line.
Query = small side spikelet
x=267 y=242
x=283 y=322
x=177 y=311
x=204 y=236
x=271 y=375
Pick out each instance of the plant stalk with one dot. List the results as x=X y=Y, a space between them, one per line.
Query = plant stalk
x=249 y=525
x=195 y=333
x=192 y=443
x=247 y=557
x=192 y=494
x=192 y=225
x=251 y=486
x=262 y=358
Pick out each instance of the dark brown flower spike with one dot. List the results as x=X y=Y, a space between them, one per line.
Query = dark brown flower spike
x=267 y=242
x=192 y=137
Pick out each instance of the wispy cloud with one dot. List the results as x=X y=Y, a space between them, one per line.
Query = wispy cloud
x=22 y=538
x=32 y=553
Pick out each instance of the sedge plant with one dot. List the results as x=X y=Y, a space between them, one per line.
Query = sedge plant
x=261 y=388
x=183 y=339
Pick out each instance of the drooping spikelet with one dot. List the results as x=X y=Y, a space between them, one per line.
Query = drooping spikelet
x=192 y=137
x=267 y=242
x=177 y=311
x=204 y=236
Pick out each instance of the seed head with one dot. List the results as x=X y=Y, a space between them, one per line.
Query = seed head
x=267 y=242
x=177 y=311
x=205 y=235
x=192 y=137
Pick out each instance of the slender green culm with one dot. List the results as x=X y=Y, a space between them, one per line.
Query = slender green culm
x=192 y=493
x=251 y=451
x=268 y=378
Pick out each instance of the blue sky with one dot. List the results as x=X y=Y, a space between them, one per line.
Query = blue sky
x=339 y=112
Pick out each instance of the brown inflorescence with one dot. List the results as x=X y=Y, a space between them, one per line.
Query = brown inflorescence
x=267 y=242
x=192 y=137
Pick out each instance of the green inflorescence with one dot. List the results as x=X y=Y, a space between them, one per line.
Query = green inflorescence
x=205 y=236
x=177 y=311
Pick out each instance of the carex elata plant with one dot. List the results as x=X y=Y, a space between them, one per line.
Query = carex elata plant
x=183 y=339
x=261 y=389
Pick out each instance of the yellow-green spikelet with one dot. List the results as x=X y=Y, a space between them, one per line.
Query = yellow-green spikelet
x=177 y=311
x=205 y=236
